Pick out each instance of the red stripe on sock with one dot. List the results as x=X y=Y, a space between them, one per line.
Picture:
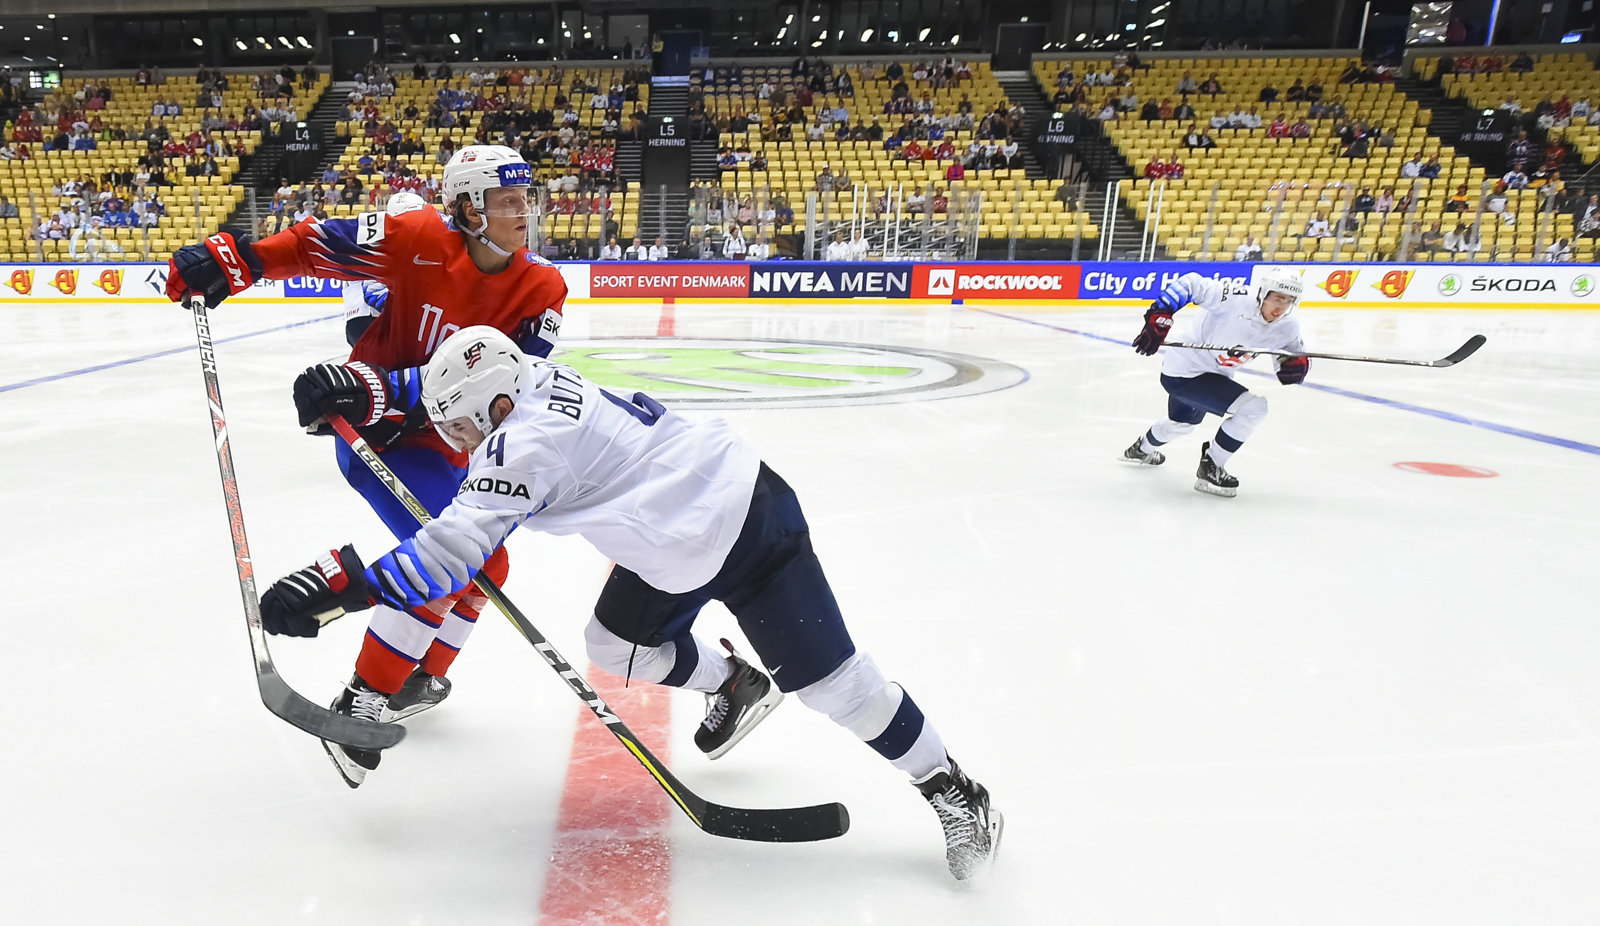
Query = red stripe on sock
x=668 y=325
x=612 y=861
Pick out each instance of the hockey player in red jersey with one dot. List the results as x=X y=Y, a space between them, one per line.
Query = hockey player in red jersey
x=441 y=276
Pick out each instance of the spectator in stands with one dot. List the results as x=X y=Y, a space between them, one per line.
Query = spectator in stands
x=1385 y=202
x=1520 y=148
x=1512 y=105
x=1154 y=169
x=1297 y=92
x=824 y=182
x=1279 y=127
x=1412 y=169
x=1235 y=120
x=1516 y=178
x=1301 y=129
x=1185 y=112
x=1318 y=227
x=1432 y=169
x=1187 y=85
x=636 y=251
x=1129 y=101
x=1219 y=121
x=1558 y=253
x=1198 y=138
x=1249 y=250
x=1432 y=239
x=658 y=251
x=1212 y=87
x=1364 y=201
x=838 y=249
x=733 y=244
x=1463 y=239
x=1108 y=112
x=1360 y=147
x=1151 y=111
x=1165 y=112
x=1314 y=91
x=1173 y=168
x=1589 y=217
x=1521 y=64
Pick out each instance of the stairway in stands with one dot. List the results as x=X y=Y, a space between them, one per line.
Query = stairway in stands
x=703 y=161
x=323 y=121
x=1021 y=89
x=669 y=223
x=1104 y=164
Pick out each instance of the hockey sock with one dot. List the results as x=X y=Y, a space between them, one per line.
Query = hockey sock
x=686 y=662
x=395 y=642
x=1246 y=412
x=857 y=697
x=1163 y=432
x=453 y=633
x=1222 y=447
x=1148 y=443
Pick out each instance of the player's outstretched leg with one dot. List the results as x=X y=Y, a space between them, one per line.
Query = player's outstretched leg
x=972 y=829
x=363 y=702
x=738 y=695
x=1244 y=414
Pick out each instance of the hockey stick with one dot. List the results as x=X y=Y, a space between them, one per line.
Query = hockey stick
x=1459 y=354
x=275 y=692
x=792 y=824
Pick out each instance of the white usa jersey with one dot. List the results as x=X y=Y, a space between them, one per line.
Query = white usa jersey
x=1225 y=320
x=662 y=494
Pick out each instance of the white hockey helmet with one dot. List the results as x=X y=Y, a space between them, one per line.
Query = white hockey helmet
x=477 y=168
x=1267 y=279
x=404 y=201
x=470 y=370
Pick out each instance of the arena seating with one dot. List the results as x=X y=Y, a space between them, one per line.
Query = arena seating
x=1553 y=77
x=793 y=165
x=586 y=223
x=195 y=205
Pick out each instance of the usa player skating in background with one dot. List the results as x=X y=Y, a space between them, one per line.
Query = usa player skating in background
x=689 y=513
x=431 y=277
x=1201 y=382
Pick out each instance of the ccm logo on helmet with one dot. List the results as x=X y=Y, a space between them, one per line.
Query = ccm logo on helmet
x=495 y=487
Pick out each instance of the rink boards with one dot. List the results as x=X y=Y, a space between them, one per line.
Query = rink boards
x=1328 y=285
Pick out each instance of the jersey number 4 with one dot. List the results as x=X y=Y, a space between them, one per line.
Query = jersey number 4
x=644 y=408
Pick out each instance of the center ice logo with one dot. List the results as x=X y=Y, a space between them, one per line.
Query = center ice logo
x=706 y=373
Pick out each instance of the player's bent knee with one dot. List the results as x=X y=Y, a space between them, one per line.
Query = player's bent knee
x=856 y=696
x=1249 y=407
x=619 y=657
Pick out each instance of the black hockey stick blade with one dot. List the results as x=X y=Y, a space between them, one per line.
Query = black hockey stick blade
x=1463 y=352
x=788 y=824
x=320 y=722
x=276 y=694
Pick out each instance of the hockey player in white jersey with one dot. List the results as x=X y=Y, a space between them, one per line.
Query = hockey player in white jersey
x=689 y=513
x=1201 y=382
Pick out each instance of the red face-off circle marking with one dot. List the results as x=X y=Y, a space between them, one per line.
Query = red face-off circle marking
x=1448 y=469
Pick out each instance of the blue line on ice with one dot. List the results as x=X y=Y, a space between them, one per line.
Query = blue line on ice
x=1349 y=394
x=163 y=353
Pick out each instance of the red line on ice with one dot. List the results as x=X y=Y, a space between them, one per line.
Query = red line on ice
x=612 y=861
x=668 y=325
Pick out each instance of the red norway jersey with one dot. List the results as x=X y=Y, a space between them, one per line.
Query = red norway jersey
x=434 y=287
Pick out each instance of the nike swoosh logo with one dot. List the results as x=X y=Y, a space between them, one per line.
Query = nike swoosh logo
x=431 y=263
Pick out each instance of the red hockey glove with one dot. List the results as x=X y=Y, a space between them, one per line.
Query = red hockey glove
x=1293 y=370
x=298 y=604
x=221 y=266
x=1157 y=322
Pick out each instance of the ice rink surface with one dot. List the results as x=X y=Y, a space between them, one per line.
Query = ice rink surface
x=1352 y=695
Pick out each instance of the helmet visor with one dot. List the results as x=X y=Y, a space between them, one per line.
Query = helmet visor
x=509 y=202
x=461 y=433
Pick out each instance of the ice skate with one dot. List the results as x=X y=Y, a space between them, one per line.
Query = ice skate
x=745 y=699
x=420 y=692
x=972 y=829
x=1136 y=454
x=357 y=700
x=1213 y=479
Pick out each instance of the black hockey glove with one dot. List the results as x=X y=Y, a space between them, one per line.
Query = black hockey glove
x=223 y=265
x=298 y=604
x=1292 y=370
x=1157 y=322
x=356 y=391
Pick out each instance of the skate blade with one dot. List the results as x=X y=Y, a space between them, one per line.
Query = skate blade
x=390 y=716
x=1133 y=462
x=757 y=713
x=354 y=775
x=1200 y=485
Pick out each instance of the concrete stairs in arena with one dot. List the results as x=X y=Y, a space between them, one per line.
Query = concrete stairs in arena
x=630 y=161
x=703 y=161
x=1129 y=229
x=323 y=120
x=1023 y=91
x=666 y=218
x=1447 y=116
x=669 y=101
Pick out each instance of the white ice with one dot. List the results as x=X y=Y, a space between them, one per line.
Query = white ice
x=1353 y=694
